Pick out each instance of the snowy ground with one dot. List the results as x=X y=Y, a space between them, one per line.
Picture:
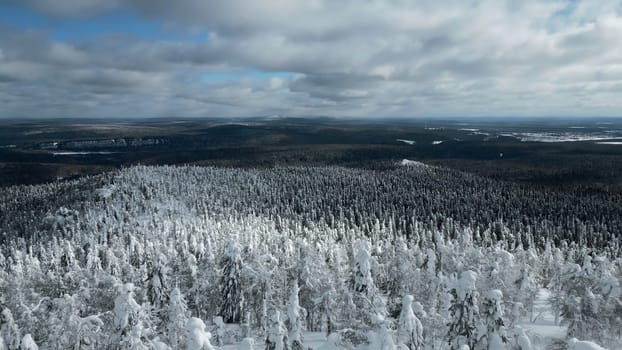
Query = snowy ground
x=543 y=329
x=541 y=332
x=314 y=340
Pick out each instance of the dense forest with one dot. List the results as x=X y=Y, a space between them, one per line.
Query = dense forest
x=407 y=257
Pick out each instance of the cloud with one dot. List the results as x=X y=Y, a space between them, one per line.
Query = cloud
x=349 y=58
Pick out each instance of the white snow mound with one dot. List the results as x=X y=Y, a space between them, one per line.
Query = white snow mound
x=583 y=345
x=406 y=162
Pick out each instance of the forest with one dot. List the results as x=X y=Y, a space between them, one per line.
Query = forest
x=410 y=256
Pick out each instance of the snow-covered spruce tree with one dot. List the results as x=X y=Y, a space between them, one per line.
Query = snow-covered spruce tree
x=608 y=293
x=526 y=290
x=493 y=337
x=177 y=319
x=464 y=312
x=230 y=283
x=362 y=278
x=579 y=305
x=276 y=338
x=71 y=331
x=197 y=337
x=133 y=322
x=220 y=331
x=126 y=309
x=156 y=284
x=259 y=275
x=27 y=343
x=295 y=315
x=381 y=337
x=409 y=327
x=9 y=332
x=134 y=340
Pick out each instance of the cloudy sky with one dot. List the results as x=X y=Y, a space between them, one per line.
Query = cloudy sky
x=190 y=58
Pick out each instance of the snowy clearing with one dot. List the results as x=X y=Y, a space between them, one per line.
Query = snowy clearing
x=69 y=153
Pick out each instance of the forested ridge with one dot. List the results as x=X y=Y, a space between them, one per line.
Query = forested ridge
x=416 y=256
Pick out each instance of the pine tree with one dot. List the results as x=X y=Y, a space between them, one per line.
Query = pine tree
x=230 y=283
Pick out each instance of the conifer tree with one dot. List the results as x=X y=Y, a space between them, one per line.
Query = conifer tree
x=177 y=319
x=409 y=328
x=276 y=338
x=230 y=283
x=9 y=332
x=294 y=319
x=494 y=337
x=464 y=312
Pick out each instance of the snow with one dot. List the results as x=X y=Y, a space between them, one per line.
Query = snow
x=610 y=143
x=106 y=191
x=543 y=329
x=406 y=162
x=313 y=340
x=465 y=284
x=247 y=344
x=410 y=142
x=124 y=305
x=69 y=153
x=522 y=340
x=198 y=337
x=495 y=295
x=575 y=344
x=437 y=142
x=558 y=136
x=28 y=343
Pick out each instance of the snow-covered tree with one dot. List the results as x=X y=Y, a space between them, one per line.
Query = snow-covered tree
x=177 y=319
x=409 y=327
x=72 y=331
x=197 y=337
x=277 y=333
x=156 y=285
x=363 y=281
x=521 y=340
x=9 y=331
x=126 y=309
x=28 y=343
x=220 y=331
x=493 y=337
x=230 y=283
x=295 y=316
x=464 y=312
x=381 y=337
